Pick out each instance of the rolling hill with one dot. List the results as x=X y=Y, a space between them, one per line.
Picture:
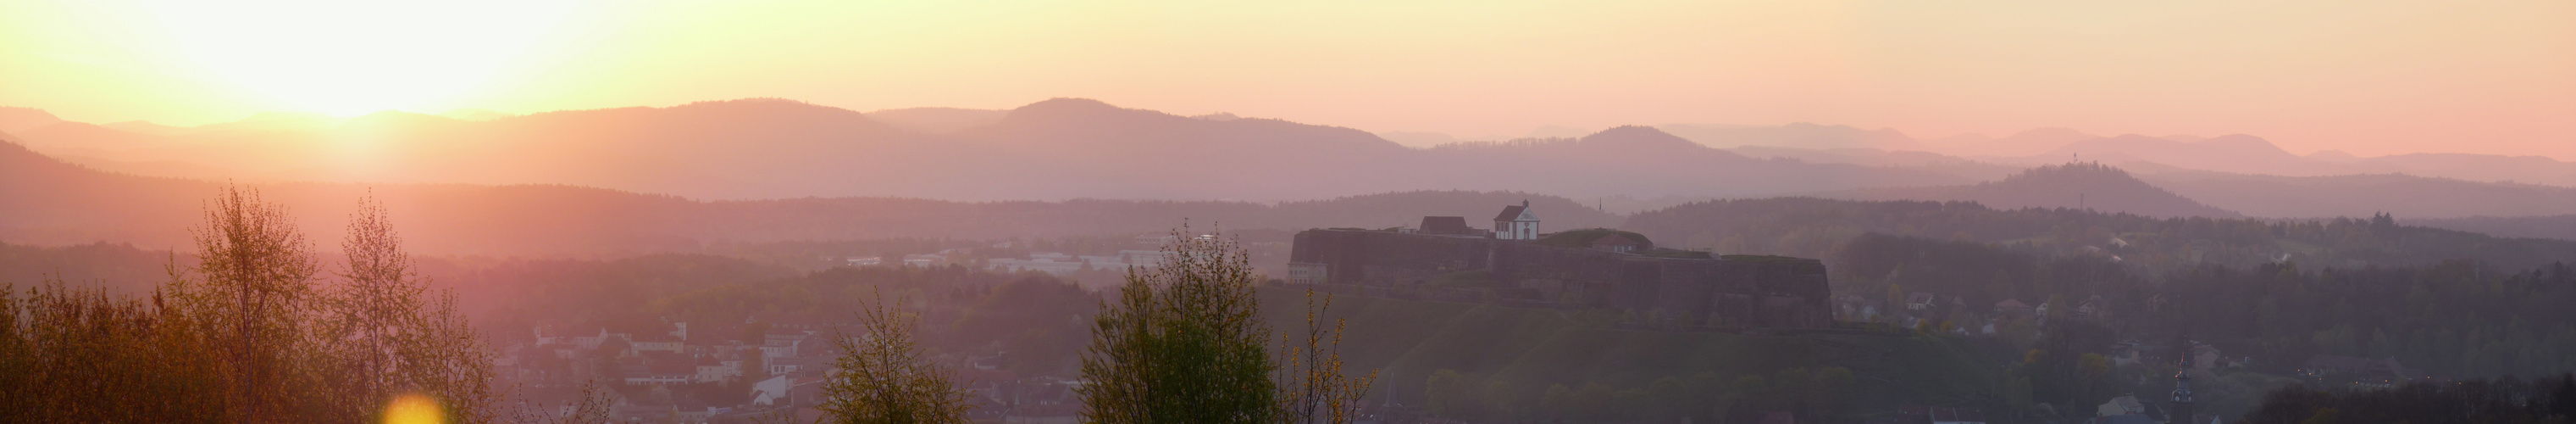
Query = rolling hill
x=57 y=203
x=2174 y=192
x=2234 y=153
x=937 y=120
x=2089 y=186
x=1821 y=228
x=1050 y=150
x=1644 y=162
x=2562 y=227
x=1800 y=134
x=2364 y=195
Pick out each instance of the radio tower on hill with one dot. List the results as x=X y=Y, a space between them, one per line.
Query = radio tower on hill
x=2182 y=410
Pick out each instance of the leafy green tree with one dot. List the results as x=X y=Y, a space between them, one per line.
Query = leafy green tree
x=1312 y=385
x=1558 y=400
x=1667 y=397
x=2017 y=395
x=2550 y=399
x=1183 y=342
x=1592 y=402
x=885 y=378
x=1744 y=395
x=1832 y=389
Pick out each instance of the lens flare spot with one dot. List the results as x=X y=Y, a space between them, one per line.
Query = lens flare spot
x=413 y=409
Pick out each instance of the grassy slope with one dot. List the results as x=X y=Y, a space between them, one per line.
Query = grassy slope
x=1534 y=348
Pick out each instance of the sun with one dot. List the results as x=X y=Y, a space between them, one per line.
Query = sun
x=349 y=57
x=413 y=409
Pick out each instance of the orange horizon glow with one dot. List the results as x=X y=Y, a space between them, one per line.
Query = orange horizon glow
x=414 y=409
x=2369 y=78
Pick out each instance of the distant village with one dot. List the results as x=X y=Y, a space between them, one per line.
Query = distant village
x=1954 y=315
x=777 y=373
x=1056 y=263
x=773 y=365
x=779 y=370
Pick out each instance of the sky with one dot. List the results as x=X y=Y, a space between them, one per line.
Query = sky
x=2365 y=77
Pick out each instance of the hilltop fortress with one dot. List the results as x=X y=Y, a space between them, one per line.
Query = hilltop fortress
x=1514 y=264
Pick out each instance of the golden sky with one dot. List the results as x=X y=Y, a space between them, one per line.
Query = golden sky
x=2367 y=77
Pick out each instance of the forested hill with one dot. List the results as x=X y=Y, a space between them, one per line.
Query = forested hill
x=1811 y=227
x=2562 y=227
x=2090 y=186
x=2451 y=318
x=2355 y=195
x=54 y=203
x=1639 y=161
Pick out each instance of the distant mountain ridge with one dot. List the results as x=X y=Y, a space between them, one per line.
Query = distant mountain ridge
x=2233 y=153
x=1796 y=134
x=1824 y=228
x=2083 y=186
x=1062 y=149
x=1090 y=148
x=110 y=145
x=1640 y=159
x=1049 y=150
x=937 y=120
x=2365 y=195
x=18 y=119
x=64 y=204
x=57 y=203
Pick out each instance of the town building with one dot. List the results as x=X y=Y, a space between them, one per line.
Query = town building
x=2123 y=405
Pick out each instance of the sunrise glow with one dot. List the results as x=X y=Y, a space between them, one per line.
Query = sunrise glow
x=413 y=409
x=1038 y=211
x=353 y=57
x=2368 y=78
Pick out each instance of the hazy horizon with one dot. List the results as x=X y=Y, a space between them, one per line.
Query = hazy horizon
x=1033 y=212
x=1415 y=139
x=2369 y=79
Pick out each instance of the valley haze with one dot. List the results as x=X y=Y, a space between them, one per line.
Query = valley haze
x=1333 y=212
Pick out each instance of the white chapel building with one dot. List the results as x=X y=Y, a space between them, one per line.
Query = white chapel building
x=1516 y=223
